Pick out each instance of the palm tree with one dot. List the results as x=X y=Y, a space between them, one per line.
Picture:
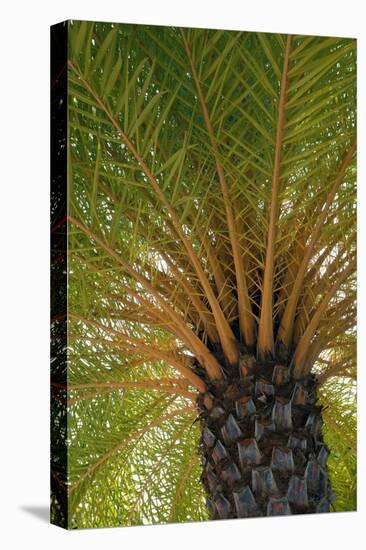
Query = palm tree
x=211 y=257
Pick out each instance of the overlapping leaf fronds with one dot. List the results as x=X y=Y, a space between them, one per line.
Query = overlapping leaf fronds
x=212 y=210
x=339 y=399
x=128 y=454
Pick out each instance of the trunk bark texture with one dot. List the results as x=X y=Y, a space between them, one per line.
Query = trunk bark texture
x=262 y=446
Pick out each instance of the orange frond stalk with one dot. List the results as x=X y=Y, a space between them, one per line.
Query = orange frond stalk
x=245 y=316
x=265 y=330
x=167 y=386
x=286 y=327
x=206 y=358
x=202 y=311
x=302 y=348
x=226 y=335
x=313 y=292
x=337 y=368
x=134 y=344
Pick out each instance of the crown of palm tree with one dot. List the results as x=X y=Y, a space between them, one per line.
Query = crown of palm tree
x=211 y=214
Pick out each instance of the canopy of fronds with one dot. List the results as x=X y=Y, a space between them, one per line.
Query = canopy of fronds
x=212 y=202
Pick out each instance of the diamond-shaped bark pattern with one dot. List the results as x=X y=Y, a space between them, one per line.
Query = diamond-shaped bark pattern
x=231 y=431
x=263 y=482
x=281 y=375
x=297 y=442
x=244 y=407
x=262 y=426
x=262 y=446
x=282 y=460
x=249 y=453
x=282 y=413
x=297 y=491
x=245 y=503
x=278 y=507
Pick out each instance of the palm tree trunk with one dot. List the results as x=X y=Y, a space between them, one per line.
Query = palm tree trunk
x=262 y=446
